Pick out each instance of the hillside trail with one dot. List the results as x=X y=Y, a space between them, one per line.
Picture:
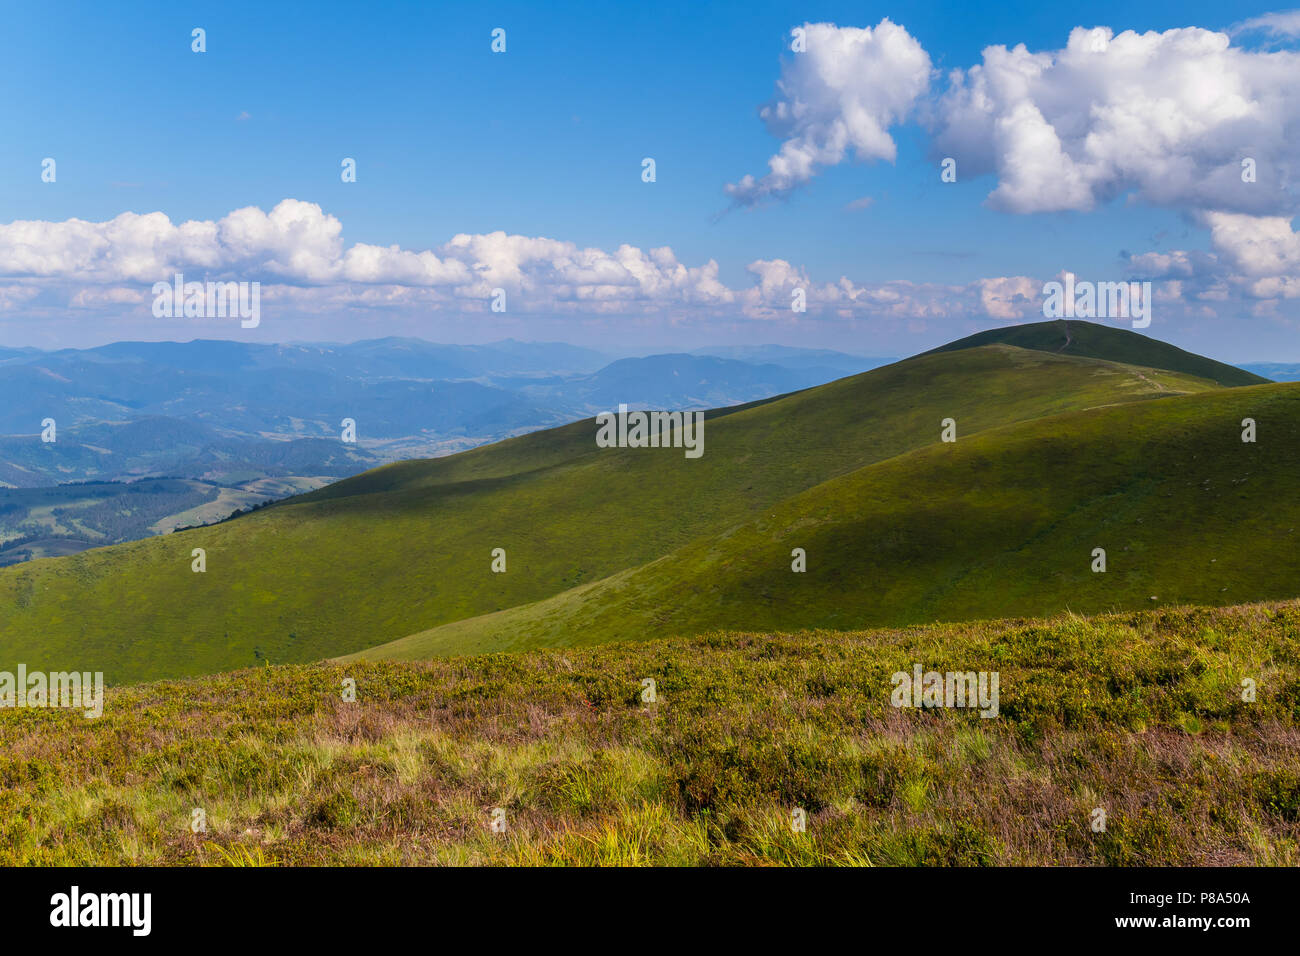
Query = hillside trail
x=1068 y=338
x=1158 y=386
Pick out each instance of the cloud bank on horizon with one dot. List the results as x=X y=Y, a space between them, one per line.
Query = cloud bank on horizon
x=297 y=250
x=1169 y=119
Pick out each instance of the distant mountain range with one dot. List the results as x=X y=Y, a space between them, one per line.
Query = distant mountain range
x=1277 y=371
x=154 y=435
x=840 y=506
x=230 y=412
x=231 y=424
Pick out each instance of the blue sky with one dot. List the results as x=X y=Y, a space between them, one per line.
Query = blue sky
x=546 y=140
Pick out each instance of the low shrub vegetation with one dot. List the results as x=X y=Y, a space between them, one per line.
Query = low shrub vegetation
x=1140 y=715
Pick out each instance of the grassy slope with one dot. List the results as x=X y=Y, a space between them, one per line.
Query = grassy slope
x=1138 y=714
x=1002 y=522
x=1091 y=340
x=407 y=547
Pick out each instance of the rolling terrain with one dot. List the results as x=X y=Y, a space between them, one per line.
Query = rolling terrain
x=224 y=422
x=232 y=412
x=1001 y=522
x=1119 y=691
x=628 y=543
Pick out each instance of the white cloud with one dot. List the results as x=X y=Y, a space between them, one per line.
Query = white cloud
x=377 y=264
x=13 y=296
x=1284 y=23
x=297 y=243
x=1255 y=245
x=1165 y=118
x=1011 y=298
x=1168 y=116
x=297 y=251
x=98 y=297
x=1168 y=265
x=844 y=93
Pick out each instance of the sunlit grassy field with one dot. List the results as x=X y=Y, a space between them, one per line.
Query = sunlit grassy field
x=1141 y=715
x=1000 y=523
x=405 y=548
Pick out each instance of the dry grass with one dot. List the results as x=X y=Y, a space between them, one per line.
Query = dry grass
x=1139 y=714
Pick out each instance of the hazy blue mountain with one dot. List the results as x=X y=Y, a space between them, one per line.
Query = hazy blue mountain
x=230 y=411
x=551 y=357
x=1277 y=371
x=684 y=381
x=790 y=357
x=15 y=355
x=391 y=357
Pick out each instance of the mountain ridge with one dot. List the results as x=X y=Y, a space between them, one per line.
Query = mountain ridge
x=1093 y=340
x=394 y=551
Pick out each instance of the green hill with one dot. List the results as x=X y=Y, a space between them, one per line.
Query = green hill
x=1003 y=522
x=408 y=547
x=1091 y=340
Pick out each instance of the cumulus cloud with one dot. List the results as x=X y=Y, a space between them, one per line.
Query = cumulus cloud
x=1180 y=119
x=1011 y=298
x=842 y=94
x=1252 y=259
x=1167 y=116
x=1255 y=245
x=1178 y=264
x=296 y=239
x=297 y=251
x=298 y=244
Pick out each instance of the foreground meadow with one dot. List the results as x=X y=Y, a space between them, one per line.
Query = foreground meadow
x=1139 y=715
